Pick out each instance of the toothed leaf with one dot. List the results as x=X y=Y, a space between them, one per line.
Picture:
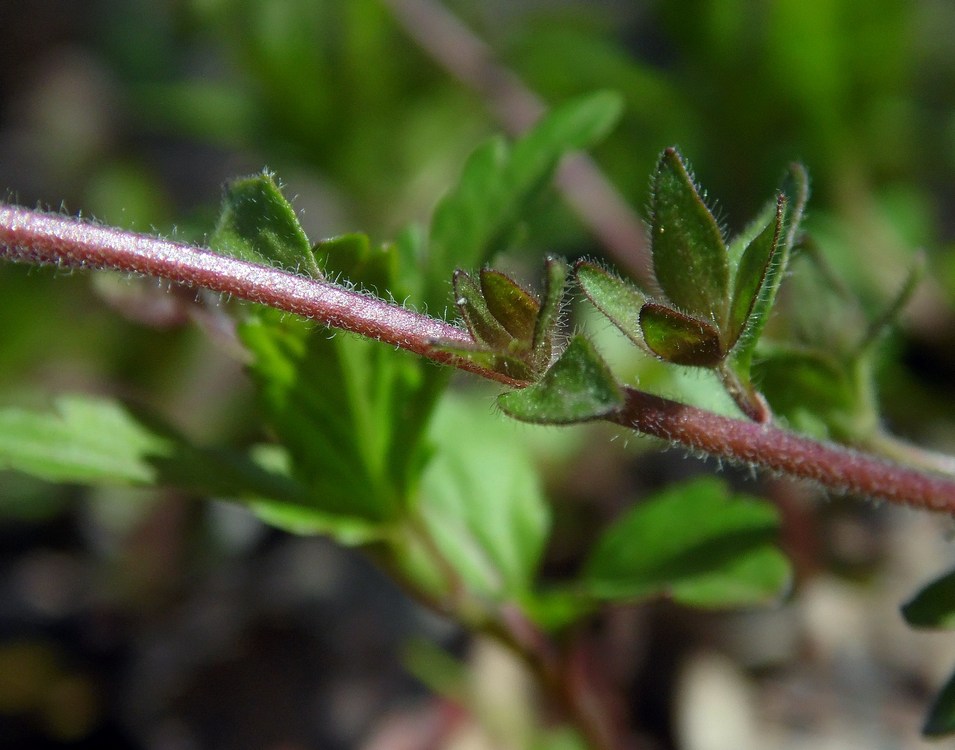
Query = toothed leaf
x=679 y=338
x=689 y=256
x=578 y=387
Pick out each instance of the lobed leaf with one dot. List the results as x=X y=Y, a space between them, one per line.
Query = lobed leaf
x=679 y=338
x=578 y=387
x=95 y=441
x=695 y=543
x=689 y=257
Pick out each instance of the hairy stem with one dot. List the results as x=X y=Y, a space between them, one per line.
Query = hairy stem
x=34 y=237
x=40 y=238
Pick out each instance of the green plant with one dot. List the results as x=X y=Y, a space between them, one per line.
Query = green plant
x=367 y=445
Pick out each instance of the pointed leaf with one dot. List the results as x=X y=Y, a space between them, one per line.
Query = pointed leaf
x=795 y=190
x=617 y=299
x=481 y=322
x=512 y=306
x=555 y=278
x=751 y=276
x=934 y=605
x=257 y=224
x=693 y=542
x=689 y=257
x=578 y=387
x=679 y=338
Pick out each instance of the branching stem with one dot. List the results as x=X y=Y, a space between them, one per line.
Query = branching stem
x=39 y=238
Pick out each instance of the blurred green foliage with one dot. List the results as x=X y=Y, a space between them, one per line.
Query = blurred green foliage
x=368 y=132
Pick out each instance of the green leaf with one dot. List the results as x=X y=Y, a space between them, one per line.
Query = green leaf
x=512 y=305
x=679 y=338
x=817 y=394
x=86 y=440
x=476 y=219
x=484 y=326
x=694 y=543
x=481 y=501
x=795 y=192
x=934 y=605
x=350 y=412
x=941 y=716
x=96 y=441
x=351 y=257
x=555 y=279
x=257 y=224
x=752 y=274
x=689 y=257
x=617 y=299
x=578 y=387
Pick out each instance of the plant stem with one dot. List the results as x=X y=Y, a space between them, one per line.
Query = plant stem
x=744 y=442
x=40 y=238
x=34 y=237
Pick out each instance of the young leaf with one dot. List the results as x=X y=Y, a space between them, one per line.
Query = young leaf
x=617 y=299
x=555 y=278
x=257 y=224
x=478 y=317
x=795 y=191
x=578 y=387
x=694 y=543
x=689 y=257
x=678 y=338
x=941 y=716
x=755 y=268
x=511 y=305
x=934 y=605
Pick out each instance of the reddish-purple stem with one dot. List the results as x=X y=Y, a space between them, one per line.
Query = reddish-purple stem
x=36 y=237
